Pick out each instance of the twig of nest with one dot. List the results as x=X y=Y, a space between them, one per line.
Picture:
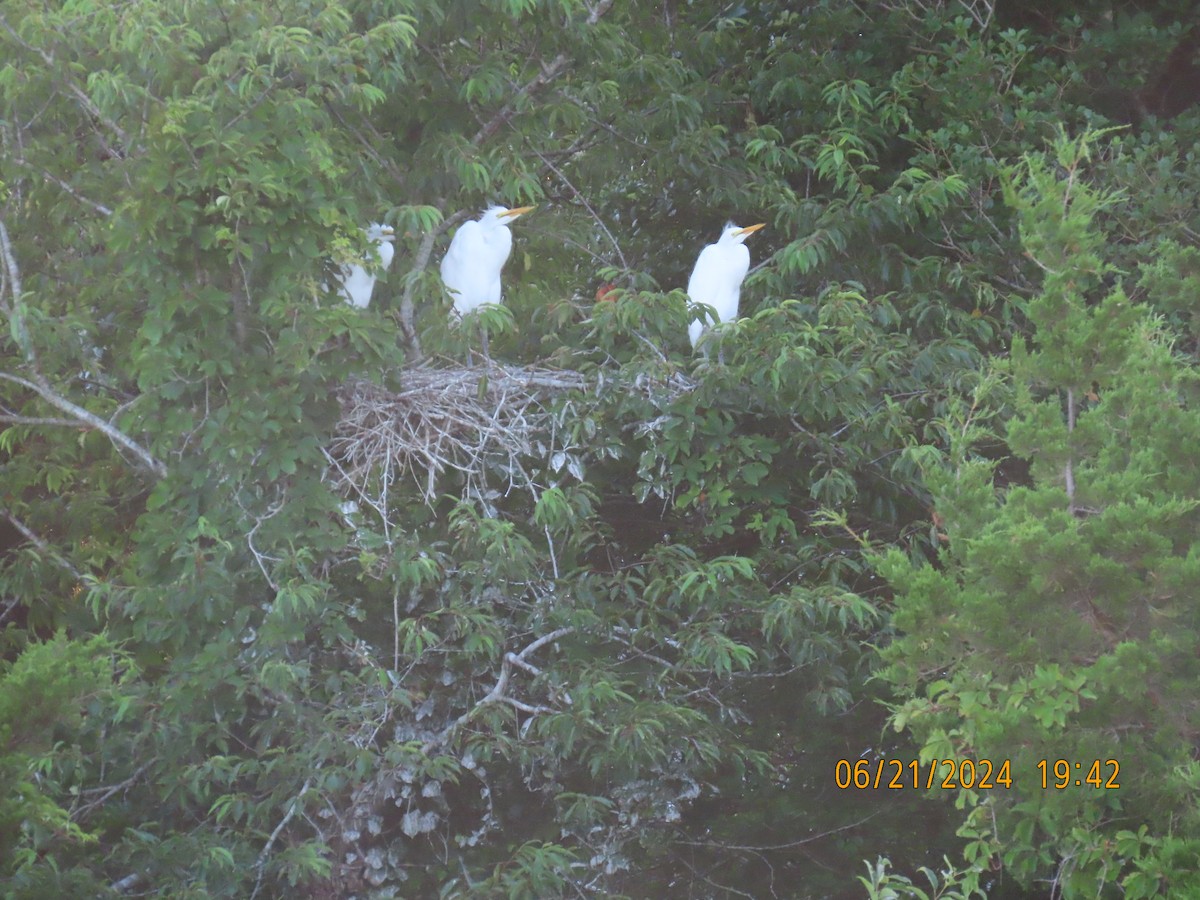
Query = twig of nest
x=460 y=419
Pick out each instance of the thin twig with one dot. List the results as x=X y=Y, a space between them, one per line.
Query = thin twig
x=787 y=846
x=582 y=199
x=108 y=792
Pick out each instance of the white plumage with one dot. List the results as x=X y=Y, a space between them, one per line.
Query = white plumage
x=356 y=282
x=717 y=276
x=471 y=267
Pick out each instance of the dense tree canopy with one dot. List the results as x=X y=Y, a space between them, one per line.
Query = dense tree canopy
x=297 y=602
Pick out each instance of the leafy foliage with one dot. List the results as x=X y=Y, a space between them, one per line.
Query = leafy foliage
x=623 y=657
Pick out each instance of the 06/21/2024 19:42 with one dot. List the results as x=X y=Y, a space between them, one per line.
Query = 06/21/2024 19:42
x=983 y=774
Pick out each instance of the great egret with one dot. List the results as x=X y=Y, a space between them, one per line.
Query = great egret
x=717 y=276
x=478 y=251
x=356 y=282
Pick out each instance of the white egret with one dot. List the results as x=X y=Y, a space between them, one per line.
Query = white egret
x=357 y=282
x=478 y=251
x=717 y=276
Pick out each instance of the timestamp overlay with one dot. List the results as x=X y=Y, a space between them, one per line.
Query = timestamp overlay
x=975 y=774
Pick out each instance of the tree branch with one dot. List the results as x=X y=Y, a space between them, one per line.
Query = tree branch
x=1069 y=473
x=128 y=883
x=37 y=420
x=539 y=81
x=77 y=92
x=107 y=792
x=787 y=846
x=41 y=543
x=410 y=282
x=498 y=693
x=598 y=11
x=14 y=312
x=99 y=207
x=261 y=862
x=42 y=388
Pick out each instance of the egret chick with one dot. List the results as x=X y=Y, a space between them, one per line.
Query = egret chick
x=717 y=276
x=478 y=251
x=356 y=282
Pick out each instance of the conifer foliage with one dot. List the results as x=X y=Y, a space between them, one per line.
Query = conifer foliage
x=1059 y=631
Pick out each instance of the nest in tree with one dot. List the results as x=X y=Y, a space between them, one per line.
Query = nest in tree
x=466 y=420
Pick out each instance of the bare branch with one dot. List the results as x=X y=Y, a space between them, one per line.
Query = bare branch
x=9 y=606
x=128 y=883
x=49 y=176
x=544 y=640
x=498 y=694
x=260 y=863
x=525 y=707
x=41 y=543
x=410 y=282
x=37 y=420
x=1069 y=472
x=42 y=388
x=598 y=11
x=553 y=556
x=787 y=846
x=77 y=92
x=521 y=664
x=259 y=557
x=108 y=792
x=14 y=310
x=539 y=81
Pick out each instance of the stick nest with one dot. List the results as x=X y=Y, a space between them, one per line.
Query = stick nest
x=467 y=420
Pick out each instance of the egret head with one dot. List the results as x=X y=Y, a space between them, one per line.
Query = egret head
x=737 y=234
x=377 y=233
x=502 y=215
x=382 y=237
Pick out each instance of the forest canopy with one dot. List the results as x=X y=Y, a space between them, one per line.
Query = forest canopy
x=301 y=599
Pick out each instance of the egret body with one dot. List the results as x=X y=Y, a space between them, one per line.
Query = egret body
x=479 y=250
x=356 y=282
x=717 y=276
